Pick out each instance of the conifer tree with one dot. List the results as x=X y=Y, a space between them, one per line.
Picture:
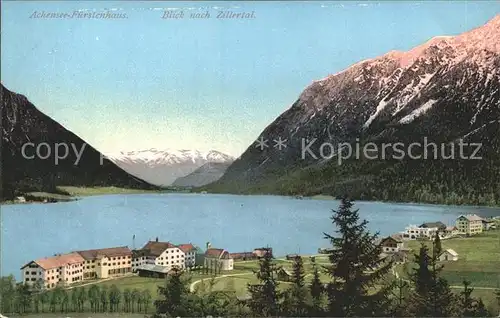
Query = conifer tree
x=316 y=289
x=466 y=300
x=296 y=305
x=432 y=296
x=471 y=307
x=400 y=294
x=265 y=297
x=356 y=267
x=175 y=293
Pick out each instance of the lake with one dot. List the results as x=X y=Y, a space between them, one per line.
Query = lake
x=236 y=223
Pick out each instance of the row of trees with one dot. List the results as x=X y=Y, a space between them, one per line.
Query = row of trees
x=360 y=284
x=19 y=298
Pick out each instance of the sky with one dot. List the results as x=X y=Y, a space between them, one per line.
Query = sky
x=143 y=82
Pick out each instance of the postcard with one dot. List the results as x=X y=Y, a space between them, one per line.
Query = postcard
x=250 y=158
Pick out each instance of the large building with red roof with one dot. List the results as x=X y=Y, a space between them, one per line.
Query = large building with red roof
x=63 y=269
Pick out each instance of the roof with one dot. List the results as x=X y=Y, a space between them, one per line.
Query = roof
x=398 y=237
x=58 y=261
x=282 y=270
x=471 y=217
x=450 y=251
x=242 y=255
x=186 y=247
x=390 y=238
x=153 y=268
x=263 y=249
x=488 y=221
x=451 y=228
x=439 y=225
x=156 y=248
x=108 y=252
x=217 y=253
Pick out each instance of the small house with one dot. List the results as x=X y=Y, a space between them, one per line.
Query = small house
x=391 y=244
x=243 y=256
x=21 y=199
x=488 y=224
x=284 y=275
x=448 y=255
x=450 y=231
x=150 y=270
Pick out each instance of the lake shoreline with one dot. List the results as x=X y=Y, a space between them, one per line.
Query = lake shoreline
x=85 y=192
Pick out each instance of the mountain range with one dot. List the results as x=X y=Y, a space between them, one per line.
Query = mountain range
x=23 y=124
x=445 y=90
x=165 y=167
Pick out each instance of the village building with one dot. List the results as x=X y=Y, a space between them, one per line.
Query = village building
x=106 y=262
x=469 y=224
x=63 y=269
x=218 y=258
x=20 y=199
x=451 y=231
x=391 y=244
x=189 y=253
x=243 y=256
x=448 y=255
x=414 y=232
x=284 y=275
x=488 y=224
x=154 y=271
x=260 y=252
x=159 y=253
x=431 y=225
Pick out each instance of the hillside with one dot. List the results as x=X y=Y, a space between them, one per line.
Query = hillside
x=23 y=123
x=444 y=91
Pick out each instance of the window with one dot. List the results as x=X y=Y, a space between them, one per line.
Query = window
x=27 y=273
x=27 y=279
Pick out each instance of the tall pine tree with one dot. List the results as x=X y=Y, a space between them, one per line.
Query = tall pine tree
x=356 y=267
x=316 y=289
x=432 y=296
x=175 y=296
x=296 y=305
x=265 y=297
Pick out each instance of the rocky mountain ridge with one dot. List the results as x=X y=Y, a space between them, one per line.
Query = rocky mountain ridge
x=444 y=90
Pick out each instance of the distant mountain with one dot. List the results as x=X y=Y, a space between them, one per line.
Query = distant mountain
x=444 y=90
x=163 y=167
x=23 y=123
x=208 y=173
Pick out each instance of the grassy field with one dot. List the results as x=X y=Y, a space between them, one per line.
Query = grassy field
x=479 y=259
x=87 y=191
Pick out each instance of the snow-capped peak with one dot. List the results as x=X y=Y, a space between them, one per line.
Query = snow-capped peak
x=170 y=156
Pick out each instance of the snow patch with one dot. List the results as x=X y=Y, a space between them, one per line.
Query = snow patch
x=418 y=112
x=381 y=105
